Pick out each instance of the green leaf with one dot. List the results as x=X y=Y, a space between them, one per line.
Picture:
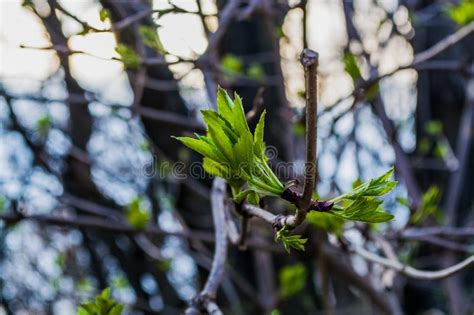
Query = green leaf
x=357 y=183
x=292 y=280
x=231 y=65
x=242 y=195
x=150 y=38
x=43 y=125
x=222 y=142
x=103 y=304
x=217 y=169
x=116 y=310
x=120 y=282
x=238 y=116
x=84 y=285
x=136 y=215
x=214 y=119
x=253 y=198
x=434 y=127
x=243 y=151
x=362 y=204
x=202 y=147
x=103 y=14
x=375 y=187
x=463 y=13
x=259 y=144
x=290 y=241
x=129 y=57
x=255 y=72
x=429 y=205
x=363 y=209
x=351 y=67
x=326 y=222
x=225 y=104
x=231 y=151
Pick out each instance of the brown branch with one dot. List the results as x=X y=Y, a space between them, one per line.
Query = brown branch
x=443 y=44
x=309 y=60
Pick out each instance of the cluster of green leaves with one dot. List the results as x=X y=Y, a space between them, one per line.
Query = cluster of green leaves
x=363 y=202
x=435 y=142
x=463 y=13
x=292 y=280
x=104 y=14
x=128 y=56
x=289 y=240
x=102 y=305
x=429 y=206
x=326 y=221
x=151 y=39
x=232 y=152
x=352 y=68
x=136 y=214
x=233 y=66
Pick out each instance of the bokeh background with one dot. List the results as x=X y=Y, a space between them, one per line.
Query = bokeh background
x=92 y=91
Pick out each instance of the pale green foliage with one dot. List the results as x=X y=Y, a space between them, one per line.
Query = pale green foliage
x=43 y=125
x=84 y=285
x=434 y=127
x=151 y=39
x=290 y=240
x=231 y=151
x=102 y=305
x=120 y=282
x=351 y=67
x=429 y=205
x=137 y=216
x=292 y=280
x=255 y=72
x=326 y=222
x=362 y=204
x=103 y=14
x=463 y=13
x=129 y=57
x=231 y=66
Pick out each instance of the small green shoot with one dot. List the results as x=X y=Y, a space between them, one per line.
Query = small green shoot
x=289 y=240
x=232 y=152
x=137 y=216
x=292 y=280
x=102 y=305
x=362 y=203
x=129 y=57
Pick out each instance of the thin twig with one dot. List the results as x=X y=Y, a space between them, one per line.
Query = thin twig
x=410 y=271
x=205 y=300
x=257 y=105
x=444 y=231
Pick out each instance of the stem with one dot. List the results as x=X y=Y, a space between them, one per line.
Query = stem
x=309 y=59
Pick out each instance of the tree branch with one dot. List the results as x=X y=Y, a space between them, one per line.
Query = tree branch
x=410 y=271
x=205 y=300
